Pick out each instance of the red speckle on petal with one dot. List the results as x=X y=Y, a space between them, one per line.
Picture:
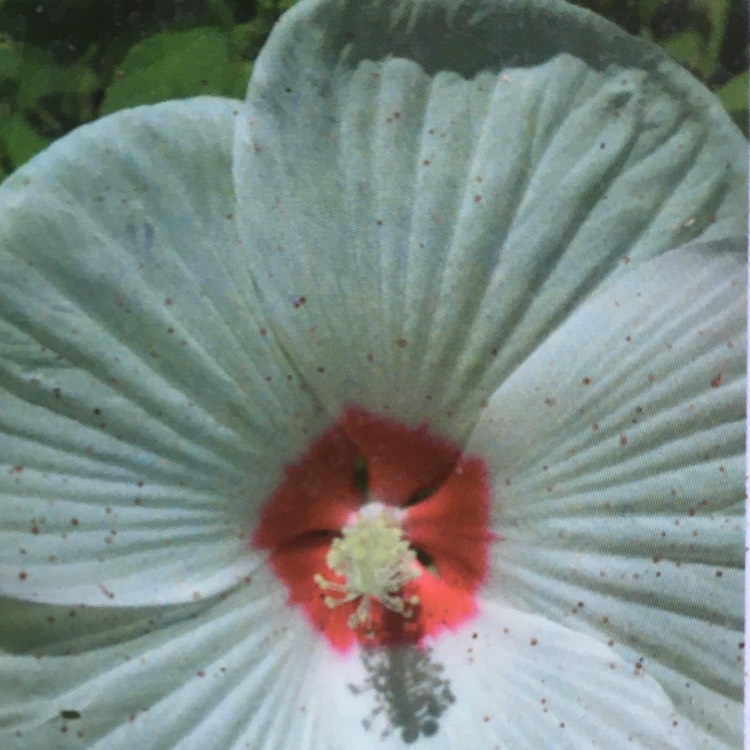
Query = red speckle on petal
x=444 y=497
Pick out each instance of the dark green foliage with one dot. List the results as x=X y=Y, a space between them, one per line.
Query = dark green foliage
x=66 y=62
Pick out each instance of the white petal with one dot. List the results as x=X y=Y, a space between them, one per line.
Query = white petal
x=508 y=679
x=523 y=681
x=441 y=208
x=617 y=454
x=145 y=416
x=215 y=674
x=244 y=671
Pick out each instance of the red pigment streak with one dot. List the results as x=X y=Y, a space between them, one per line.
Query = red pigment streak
x=445 y=499
x=400 y=460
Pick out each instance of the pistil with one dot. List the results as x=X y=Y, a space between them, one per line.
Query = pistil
x=375 y=560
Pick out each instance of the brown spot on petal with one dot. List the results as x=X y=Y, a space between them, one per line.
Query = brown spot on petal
x=109 y=594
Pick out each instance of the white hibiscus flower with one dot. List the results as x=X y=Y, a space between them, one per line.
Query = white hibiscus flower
x=401 y=404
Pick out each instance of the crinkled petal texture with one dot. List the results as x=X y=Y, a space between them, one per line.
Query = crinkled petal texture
x=142 y=397
x=423 y=209
x=617 y=454
x=473 y=185
x=436 y=185
x=239 y=673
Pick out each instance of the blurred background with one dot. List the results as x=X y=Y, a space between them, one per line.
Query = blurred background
x=66 y=62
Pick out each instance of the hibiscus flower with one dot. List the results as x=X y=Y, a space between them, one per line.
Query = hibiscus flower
x=400 y=404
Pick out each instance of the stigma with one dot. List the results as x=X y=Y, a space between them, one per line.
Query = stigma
x=375 y=560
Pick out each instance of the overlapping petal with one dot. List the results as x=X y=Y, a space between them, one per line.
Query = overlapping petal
x=617 y=452
x=444 y=182
x=214 y=674
x=145 y=409
x=243 y=672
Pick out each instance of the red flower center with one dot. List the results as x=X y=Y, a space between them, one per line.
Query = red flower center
x=380 y=532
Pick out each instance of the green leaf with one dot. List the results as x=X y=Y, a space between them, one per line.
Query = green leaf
x=718 y=14
x=248 y=38
x=221 y=11
x=646 y=10
x=687 y=47
x=236 y=75
x=173 y=65
x=733 y=94
x=21 y=140
x=10 y=59
x=41 y=76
